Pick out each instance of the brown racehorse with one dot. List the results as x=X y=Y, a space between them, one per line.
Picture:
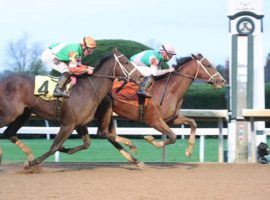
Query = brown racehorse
x=161 y=116
x=17 y=102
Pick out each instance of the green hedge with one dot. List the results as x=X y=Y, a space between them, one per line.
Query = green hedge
x=203 y=96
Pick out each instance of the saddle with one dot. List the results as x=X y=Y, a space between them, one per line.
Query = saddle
x=128 y=93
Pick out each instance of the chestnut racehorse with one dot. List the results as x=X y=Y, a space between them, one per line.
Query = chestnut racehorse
x=160 y=115
x=17 y=102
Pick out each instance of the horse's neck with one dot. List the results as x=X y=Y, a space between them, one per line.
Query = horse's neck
x=106 y=68
x=100 y=84
x=177 y=86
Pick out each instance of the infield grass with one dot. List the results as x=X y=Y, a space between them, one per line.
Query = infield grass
x=102 y=151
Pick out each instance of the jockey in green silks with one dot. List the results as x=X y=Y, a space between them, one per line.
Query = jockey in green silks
x=66 y=59
x=148 y=63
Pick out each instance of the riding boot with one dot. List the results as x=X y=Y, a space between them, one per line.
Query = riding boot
x=59 y=89
x=144 y=89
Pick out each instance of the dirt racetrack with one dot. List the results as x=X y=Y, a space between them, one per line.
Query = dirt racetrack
x=93 y=181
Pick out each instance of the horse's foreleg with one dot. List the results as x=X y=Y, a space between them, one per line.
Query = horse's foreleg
x=23 y=147
x=161 y=126
x=83 y=133
x=191 y=122
x=60 y=138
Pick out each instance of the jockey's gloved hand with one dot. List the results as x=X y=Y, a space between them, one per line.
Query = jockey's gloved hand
x=90 y=70
x=171 y=69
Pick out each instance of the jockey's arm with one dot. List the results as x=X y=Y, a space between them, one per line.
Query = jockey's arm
x=81 y=70
x=156 y=71
x=72 y=59
x=77 y=68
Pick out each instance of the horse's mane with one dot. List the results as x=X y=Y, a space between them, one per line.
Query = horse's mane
x=102 y=61
x=181 y=61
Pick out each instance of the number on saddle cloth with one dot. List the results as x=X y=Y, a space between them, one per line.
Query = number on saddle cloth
x=44 y=87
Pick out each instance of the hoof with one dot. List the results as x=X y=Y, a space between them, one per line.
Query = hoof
x=188 y=153
x=140 y=165
x=133 y=149
x=35 y=169
x=149 y=139
x=31 y=157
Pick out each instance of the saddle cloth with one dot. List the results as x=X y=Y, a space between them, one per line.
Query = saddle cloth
x=44 y=87
x=127 y=94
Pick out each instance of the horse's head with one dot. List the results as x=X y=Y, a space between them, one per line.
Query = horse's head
x=207 y=72
x=124 y=68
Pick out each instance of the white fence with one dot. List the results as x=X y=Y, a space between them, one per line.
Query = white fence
x=199 y=115
x=253 y=115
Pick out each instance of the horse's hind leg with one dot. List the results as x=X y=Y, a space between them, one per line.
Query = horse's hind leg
x=11 y=131
x=116 y=138
x=83 y=133
x=112 y=139
x=126 y=155
x=191 y=122
x=106 y=127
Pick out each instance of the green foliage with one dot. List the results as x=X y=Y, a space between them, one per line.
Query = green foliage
x=204 y=96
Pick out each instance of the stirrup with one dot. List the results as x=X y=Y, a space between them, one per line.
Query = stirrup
x=144 y=94
x=59 y=93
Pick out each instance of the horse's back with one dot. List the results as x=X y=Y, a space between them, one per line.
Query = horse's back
x=16 y=84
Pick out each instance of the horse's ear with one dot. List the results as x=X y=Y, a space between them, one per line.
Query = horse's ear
x=193 y=56
x=115 y=50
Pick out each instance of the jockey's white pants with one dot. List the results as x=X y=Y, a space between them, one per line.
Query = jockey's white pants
x=144 y=70
x=50 y=59
x=148 y=71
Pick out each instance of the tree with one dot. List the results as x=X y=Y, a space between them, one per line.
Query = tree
x=24 y=57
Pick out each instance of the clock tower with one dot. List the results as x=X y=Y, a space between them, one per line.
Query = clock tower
x=246 y=76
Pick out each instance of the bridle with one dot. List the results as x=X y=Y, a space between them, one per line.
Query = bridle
x=212 y=78
x=127 y=74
